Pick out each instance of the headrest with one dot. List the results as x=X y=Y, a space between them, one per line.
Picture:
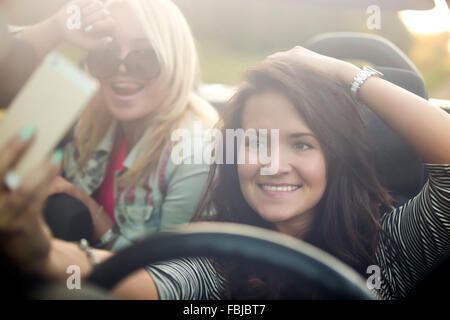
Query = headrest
x=361 y=46
x=398 y=167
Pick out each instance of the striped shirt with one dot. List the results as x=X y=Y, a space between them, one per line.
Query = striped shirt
x=420 y=230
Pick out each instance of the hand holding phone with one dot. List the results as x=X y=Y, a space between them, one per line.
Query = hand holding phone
x=52 y=101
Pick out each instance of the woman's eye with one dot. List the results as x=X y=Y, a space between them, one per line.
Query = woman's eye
x=302 y=146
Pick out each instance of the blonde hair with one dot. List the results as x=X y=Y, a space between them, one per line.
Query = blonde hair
x=171 y=38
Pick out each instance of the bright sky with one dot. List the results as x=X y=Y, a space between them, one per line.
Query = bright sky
x=435 y=20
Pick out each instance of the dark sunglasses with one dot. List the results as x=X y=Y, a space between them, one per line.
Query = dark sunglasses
x=140 y=64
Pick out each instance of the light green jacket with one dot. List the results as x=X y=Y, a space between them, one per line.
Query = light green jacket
x=168 y=197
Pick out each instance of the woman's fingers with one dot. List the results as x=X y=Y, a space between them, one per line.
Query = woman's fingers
x=296 y=50
x=97 y=32
x=34 y=185
x=103 y=28
x=14 y=150
x=92 y=15
x=97 y=26
x=89 y=21
x=90 y=8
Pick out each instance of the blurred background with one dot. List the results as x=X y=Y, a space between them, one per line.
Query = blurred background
x=233 y=34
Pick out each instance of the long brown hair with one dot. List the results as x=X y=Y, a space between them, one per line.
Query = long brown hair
x=346 y=223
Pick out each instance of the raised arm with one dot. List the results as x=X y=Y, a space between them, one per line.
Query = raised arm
x=425 y=127
x=94 y=30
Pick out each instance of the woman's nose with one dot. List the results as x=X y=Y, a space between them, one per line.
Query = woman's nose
x=122 y=68
x=284 y=161
x=284 y=167
x=123 y=53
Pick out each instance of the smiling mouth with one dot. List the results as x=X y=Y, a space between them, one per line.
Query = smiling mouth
x=125 y=89
x=279 y=188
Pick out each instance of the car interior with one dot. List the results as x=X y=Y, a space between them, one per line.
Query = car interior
x=319 y=270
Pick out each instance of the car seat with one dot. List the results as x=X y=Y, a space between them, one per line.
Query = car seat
x=398 y=166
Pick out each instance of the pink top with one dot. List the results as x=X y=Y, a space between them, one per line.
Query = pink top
x=105 y=193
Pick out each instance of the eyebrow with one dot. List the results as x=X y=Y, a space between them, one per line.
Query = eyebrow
x=301 y=134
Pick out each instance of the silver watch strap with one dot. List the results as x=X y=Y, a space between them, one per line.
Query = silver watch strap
x=94 y=260
x=108 y=238
x=365 y=73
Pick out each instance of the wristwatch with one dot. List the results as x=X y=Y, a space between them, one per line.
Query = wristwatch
x=365 y=73
x=108 y=238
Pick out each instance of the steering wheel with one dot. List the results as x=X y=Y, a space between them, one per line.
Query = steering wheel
x=212 y=239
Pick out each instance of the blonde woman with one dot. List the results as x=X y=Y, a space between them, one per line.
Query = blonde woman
x=118 y=163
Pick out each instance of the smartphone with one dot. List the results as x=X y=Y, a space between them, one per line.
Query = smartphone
x=52 y=100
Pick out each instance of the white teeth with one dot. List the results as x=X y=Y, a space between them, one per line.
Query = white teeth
x=279 y=189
